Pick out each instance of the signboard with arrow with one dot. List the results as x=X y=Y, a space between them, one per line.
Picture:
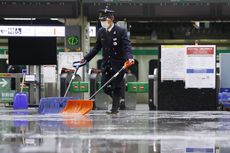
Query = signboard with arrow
x=5 y=83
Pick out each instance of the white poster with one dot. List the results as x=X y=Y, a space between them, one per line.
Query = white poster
x=172 y=62
x=35 y=31
x=66 y=59
x=49 y=73
x=200 y=66
x=17 y=31
x=92 y=31
x=50 y=31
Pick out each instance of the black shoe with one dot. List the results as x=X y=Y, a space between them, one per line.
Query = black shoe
x=122 y=105
x=112 y=112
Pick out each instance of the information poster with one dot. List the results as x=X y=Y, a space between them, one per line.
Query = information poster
x=173 y=62
x=66 y=59
x=49 y=73
x=200 y=66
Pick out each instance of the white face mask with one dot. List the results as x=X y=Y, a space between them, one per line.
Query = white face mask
x=105 y=24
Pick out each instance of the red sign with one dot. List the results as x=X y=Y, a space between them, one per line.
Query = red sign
x=141 y=87
x=134 y=87
x=200 y=50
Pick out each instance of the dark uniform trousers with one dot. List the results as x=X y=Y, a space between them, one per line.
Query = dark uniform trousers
x=116 y=49
x=113 y=89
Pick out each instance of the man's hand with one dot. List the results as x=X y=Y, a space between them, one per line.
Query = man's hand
x=80 y=63
x=128 y=63
x=131 y=60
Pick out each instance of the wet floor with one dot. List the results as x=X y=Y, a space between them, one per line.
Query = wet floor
x=139 y=131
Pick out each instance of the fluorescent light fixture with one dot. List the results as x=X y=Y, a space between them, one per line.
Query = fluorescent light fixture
x=19 y=18
x=54 y=19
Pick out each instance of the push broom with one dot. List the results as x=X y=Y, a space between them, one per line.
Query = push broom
x=85 y=106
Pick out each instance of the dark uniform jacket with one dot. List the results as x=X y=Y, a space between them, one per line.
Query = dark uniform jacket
x=116 y=48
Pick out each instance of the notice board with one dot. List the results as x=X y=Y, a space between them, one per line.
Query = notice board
x=66 y=59
x=172 y=62
x=200 y=66
x=174 y=94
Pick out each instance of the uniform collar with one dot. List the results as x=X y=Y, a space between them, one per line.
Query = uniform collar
x=110 y=28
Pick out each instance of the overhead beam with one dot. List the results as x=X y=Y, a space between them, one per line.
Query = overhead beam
x=39 y=9
x=156 y=1
x=161 y=11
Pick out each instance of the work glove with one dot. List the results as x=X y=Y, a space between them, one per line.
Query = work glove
x=131 y=60
x=128 y=63
x=80 y=63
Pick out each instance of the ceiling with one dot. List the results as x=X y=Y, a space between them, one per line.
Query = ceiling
x=125 y=9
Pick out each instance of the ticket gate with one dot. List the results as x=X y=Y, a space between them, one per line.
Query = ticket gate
x=74 y=89
x=102 y=100
x=152 y=96
x=93 y=84
x=130 y=88
x=130 y=97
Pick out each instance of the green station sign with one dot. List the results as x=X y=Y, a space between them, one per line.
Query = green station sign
x=7 y=96
x=73 y=40
x=73 y=37
x=5 y=83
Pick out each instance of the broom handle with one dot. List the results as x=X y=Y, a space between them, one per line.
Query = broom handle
x=73 y=76
x=23 y=81
x=114 y=76
x=126 y=65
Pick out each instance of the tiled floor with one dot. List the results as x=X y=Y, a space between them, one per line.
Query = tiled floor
x=140 y=131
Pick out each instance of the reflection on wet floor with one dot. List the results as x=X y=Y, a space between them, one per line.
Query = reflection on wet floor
x=129 y=131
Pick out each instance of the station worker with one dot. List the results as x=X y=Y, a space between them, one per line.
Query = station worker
x=116 y=49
